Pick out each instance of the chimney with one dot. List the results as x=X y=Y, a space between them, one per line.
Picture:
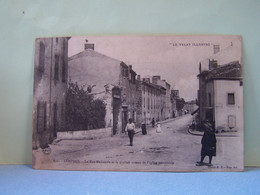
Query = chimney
x=155 y=79
x=216 y=49
x=89 y=45
x=147 y=80
x=213 y=64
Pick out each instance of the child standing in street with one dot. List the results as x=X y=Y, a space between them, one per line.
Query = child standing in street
x=158 y=129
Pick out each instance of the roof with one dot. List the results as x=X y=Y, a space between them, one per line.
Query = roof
x=158 y=87
x=230 y=71
x=92 y=68
x=92 y=53
x=224 y=56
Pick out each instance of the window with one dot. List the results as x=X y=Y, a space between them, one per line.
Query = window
x=231 y=121
x=63 y=71
x=41 y=116
x=55 y=119
x=130 y=77
x=56 y=68
x=64 y=62
x=209 y=99
x=64 y=46
x=42 y=57
x=124 y=72
x=133 y=79
x=231 y=98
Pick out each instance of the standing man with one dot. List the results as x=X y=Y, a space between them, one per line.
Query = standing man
x=130 y=128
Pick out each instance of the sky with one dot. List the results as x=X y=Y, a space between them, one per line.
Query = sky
x=175 y=58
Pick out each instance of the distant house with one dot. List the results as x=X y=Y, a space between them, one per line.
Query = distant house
x=157 y=99
x=153 y=101
x=221 y=95
x=114 y=82
x=190 y=107
x=50 y=85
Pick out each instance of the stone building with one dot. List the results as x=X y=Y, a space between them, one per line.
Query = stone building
x=50 y=85
x=168 y=111
x=152 y=104
x=113 y=81
x=164 y=97
x=220 y=95
x=157 y=99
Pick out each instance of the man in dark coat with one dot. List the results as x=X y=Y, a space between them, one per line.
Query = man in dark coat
x=144 y=132
x=208 y=142
x=153 y=122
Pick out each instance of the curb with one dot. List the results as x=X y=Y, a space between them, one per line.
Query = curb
x=217 y=135
x=172 y=119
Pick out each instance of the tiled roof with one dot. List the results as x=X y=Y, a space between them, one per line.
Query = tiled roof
x=232 y=70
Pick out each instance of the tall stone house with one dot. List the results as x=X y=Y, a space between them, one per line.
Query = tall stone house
x=113 y=81
x=220 y=95
x=153 y=104
x=50 y=85
x=157 y=101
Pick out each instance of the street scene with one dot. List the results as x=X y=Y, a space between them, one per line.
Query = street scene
x=174 y=148
x=171 y=103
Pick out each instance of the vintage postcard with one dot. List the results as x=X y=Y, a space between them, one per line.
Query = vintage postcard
x=138 y=103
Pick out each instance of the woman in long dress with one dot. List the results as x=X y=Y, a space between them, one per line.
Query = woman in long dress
x=208 y=142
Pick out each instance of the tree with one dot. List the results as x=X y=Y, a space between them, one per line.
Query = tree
x=83 y=112
x=180 y=102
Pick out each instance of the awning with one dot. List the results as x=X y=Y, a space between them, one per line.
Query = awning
x=194 y=112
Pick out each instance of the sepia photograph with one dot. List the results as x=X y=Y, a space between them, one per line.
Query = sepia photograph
x=138 y=103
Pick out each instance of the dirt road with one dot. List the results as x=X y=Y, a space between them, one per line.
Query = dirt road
x=174 y=149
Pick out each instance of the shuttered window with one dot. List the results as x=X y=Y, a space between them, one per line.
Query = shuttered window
x=56 y=68
x=41 y=116
x=41 y=57
x=210 y=100
x=63 y=71
x=64 y=64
